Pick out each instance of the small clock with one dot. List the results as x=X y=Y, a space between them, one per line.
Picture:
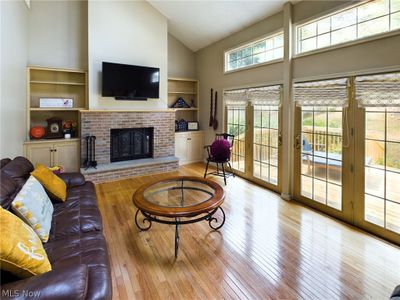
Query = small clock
x=54 y=128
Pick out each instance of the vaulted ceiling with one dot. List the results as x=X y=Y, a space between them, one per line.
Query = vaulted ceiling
x=198 y=24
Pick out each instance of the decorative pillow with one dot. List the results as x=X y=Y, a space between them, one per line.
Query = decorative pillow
x=53 y=184
x=21 y=251
x=34 y=207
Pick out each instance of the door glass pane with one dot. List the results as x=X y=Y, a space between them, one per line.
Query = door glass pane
x=236 y=124
x=382 y=167
x=266 y=142
x=321 y=157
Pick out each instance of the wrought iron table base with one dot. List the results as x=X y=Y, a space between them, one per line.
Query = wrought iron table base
x=148 y=218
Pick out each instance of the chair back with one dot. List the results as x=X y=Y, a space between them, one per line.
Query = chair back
x=226 y=136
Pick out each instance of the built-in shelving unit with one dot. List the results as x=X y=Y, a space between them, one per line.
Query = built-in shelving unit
x=54 y=83
x=188 y=89
x=45 y=82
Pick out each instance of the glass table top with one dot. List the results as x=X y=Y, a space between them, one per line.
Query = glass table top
x=178 y=193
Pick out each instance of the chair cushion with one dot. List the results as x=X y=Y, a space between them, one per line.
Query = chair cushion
x=53 y=184
x=34 y=207
x=221 y=150
x=21 y=251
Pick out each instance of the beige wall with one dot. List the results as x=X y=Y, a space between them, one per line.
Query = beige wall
x=14 y=55
x=129 y=32
x=209 y=69
x=373 y=55
x=58 y=34
x=181 y=61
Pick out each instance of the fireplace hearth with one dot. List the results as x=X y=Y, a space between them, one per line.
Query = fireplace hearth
x=131 y=143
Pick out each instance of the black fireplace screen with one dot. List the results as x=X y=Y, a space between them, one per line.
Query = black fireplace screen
x=131 y=143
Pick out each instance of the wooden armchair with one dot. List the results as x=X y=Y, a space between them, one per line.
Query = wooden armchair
x=220 y=162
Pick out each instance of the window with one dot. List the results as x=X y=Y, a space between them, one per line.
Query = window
x=361 y=21
x=255 y=53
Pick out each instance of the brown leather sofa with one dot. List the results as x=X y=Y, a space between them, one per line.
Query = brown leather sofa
x=76 y=248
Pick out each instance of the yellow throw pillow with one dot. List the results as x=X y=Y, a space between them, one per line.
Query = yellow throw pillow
x=53 y=184
x=21 y=251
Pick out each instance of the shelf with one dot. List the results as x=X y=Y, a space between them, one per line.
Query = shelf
x=183 y=93
x=56 y=108
x=186 y=109
x=51 y=140
x=57 y=82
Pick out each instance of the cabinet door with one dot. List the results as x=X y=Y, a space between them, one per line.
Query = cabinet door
x=67 y=155
x=39 y=153
x=181 y=148
x=195 y=147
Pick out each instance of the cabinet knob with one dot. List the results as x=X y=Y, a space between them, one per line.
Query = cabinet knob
x=189 y=139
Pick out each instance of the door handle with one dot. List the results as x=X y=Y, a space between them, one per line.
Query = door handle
x=280 y=138
x=297 y=142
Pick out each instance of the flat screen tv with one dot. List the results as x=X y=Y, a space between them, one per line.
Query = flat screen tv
x=128 y=82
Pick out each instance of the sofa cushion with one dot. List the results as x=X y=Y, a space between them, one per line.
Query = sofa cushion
x=73 y=222
x=53 y=184
x=19 y=169
x=65 y=283
x=4 y=161
x=79 y=196
x=72 y=179
x=8 y=190
x=34 y=207
x=89 y=249
x=21 y=251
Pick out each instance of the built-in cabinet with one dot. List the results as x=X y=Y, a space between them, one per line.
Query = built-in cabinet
x=45 y=82
x=189 y=146
x=51 y=153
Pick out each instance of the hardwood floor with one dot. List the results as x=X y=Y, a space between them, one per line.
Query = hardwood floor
x=268 y=249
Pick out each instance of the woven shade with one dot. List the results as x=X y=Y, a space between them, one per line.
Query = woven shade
x=235 y=98
x=265 y=96
x=322 y=93
x=378 y=90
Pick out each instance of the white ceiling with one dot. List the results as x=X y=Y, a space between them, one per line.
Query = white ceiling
x=200 y=23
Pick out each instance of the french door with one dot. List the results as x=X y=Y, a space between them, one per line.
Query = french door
x=256 y=125
x=377 y=169
x=323 y=151
x=347 y=160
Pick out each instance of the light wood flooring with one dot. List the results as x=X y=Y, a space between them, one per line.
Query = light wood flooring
x=268 y=249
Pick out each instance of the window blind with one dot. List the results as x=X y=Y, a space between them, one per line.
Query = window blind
x=381 y=90
x=322 y=93
x=235 y=98
x=265 y=96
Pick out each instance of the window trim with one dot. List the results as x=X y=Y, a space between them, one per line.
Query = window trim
x=253 y=41
x=329 y=13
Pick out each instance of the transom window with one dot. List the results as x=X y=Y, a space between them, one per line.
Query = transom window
x=367 y=19
x=255 y=53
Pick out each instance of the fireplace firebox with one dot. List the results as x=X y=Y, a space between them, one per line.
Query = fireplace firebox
x=131 y=143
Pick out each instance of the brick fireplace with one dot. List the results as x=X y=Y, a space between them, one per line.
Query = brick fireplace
x=102 y=123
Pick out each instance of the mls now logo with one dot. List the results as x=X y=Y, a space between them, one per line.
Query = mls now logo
x=20 y=293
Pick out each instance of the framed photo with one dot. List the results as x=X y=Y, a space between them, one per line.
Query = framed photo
x=193 y=125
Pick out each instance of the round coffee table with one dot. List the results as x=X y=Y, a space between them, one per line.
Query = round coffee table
x=179 y=200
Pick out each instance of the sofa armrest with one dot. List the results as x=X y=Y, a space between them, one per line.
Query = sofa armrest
x=72 y=179
x=396 y=293
x=69 y=282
